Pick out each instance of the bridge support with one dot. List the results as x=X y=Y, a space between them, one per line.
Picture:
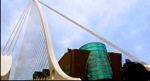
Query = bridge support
x=6 y=63
x=6 y=77
x=56 y=72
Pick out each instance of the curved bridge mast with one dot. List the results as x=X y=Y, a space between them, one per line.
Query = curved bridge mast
x=55 y=71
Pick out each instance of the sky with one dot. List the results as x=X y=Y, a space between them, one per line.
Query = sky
x=126 y=23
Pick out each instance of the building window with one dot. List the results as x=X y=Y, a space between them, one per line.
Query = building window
x=67 y=66
x=67 y=72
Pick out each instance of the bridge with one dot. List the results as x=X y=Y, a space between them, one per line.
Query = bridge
x=37 y=42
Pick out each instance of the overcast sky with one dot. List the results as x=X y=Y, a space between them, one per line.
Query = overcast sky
x=125 y=23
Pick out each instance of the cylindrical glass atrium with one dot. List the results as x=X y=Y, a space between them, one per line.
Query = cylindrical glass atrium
x=98 y=66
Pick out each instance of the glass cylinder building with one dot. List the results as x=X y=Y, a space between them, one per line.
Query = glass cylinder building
x=98 y=66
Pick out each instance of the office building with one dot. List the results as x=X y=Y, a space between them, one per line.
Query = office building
x=134 y=71
x=92 y=62
x=98 y=66
x=74 y=63
x=116 y=64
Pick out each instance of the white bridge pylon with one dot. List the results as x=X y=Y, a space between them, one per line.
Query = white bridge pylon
x=56 y=72
x=6 y=62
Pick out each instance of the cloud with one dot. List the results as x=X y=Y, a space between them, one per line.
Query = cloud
x=10 y=16
x=123 y=22
x=103 y=17
x=117 y=21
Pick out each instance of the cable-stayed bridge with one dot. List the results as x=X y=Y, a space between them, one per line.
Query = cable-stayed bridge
x=37 y=43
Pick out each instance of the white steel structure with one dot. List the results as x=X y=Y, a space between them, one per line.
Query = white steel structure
x=55 y=71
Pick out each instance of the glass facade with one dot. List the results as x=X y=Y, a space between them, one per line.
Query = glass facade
x=98 y=66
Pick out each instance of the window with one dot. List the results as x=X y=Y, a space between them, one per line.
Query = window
x=67 y=66
x=67 y=72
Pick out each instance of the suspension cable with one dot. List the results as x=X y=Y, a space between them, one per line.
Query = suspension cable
x=96 y=35
x=37 y=45
x=15 y=71
x=21 y=26
x=22 y=20
x=34 y=51
x=15 y=28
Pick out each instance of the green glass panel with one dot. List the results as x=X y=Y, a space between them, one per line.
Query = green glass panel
x=98 y=62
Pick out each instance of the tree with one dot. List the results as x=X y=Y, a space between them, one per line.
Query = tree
x=46 y=73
